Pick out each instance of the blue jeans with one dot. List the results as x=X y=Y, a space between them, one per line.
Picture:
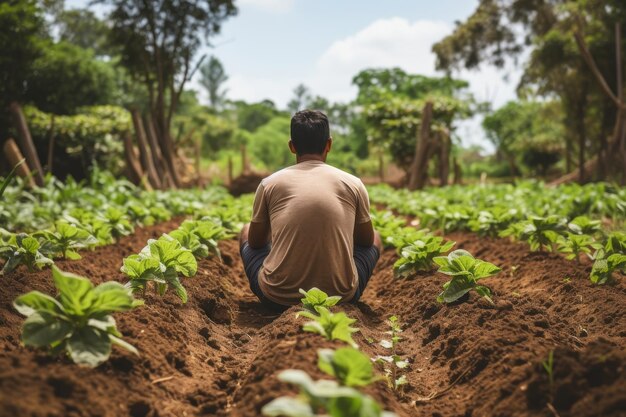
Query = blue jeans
x=365 y=259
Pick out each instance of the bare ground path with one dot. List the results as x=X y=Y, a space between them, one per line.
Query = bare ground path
x=219 y=354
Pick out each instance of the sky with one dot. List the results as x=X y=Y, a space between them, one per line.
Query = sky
x=271 y=46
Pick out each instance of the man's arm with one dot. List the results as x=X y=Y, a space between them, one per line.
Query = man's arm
x=258 y=234
x=364 y=234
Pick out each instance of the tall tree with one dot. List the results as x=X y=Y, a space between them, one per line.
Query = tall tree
x=301 y=99
x=158 y=41
x=213 y=77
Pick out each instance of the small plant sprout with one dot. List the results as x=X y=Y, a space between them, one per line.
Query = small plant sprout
x=392 y=363
x=466 y=271
x=22 y=249
x=541 y=233
x=603 y=268
x=419 y=255
x=548 y=366
x=78 y=321
x=350 y=366
x=323 y=398
x=576 y=244
x=66 y=240
x=333 y=326
x=583 y=225
x=317 y=298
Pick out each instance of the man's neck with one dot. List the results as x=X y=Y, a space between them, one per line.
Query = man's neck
x=310 y=157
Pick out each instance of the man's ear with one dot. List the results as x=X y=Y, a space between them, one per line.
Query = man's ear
x=291 y=147
x=329 y=145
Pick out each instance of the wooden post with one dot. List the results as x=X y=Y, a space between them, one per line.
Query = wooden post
x=230 y=170
x=620 y=93
x=147 y=161
x=420 y=160
x=381 y=167
x=458 y=173
x=50 y=145
x=198 y=151
x=444 y=158
x=14 y=156
x=26 y=142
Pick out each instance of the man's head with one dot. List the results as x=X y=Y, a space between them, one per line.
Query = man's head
x=310 y=133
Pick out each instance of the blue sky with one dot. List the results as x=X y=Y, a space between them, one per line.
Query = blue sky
x=271 y=46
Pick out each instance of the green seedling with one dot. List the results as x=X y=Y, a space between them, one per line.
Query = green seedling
x=393 y=363
x=66 y=240
x=548 y=366
x=420 y=255
x=22 y=249
x=190 y=241
x=583 y=225
x=6 y=181
x=333 y=326
x=322 y=396
x=119 y=223
x=350 y=366
x=161 y=262
x=317 y=298
x=604 y=268
x=78 y=321
x=466 y=271
x=576 y=244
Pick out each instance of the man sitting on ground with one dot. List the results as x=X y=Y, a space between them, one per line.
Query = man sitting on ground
x=310 y=225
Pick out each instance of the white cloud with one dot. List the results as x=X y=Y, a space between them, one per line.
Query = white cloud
x=276 y=6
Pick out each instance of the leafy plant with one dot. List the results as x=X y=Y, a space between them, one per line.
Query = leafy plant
x=603 y=268
x=615 y=243
x=317 y=298
x=324 y=396
x=66 y=240
x=190 y=241
x=576 y=244
x=465 y=271
x=394 y=361
x=6 y=181
x=583 y=225
x=350 y=366
x=118 y=221
x=22 y=249
x=490 y=223
x=161 y=262
x=208 y=233
x=542 y=232
x=78 y=321
x=333 y=326
x=420 y=255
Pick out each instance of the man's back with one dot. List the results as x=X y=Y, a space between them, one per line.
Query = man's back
x=312 y=209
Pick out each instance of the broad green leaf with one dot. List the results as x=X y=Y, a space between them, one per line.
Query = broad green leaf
x=76 y=293
x=89 y=346
x=111 y=296
x=36 y=301
x=123 y=344
x=350 y=366
x=289 y=407
x=458 y=287
x=42 y=330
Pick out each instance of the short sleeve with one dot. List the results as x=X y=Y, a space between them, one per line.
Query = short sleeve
x=260 y=212
x=363 y=204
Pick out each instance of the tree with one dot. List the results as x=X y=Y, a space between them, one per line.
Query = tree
x=21 y=28
x=301 y=99
x=251 y=116
x=268 y=144
x=213 y=77
x=531 y=129
x=67 y=77
x=158 y=41
x=557 y=33
x=82 y=28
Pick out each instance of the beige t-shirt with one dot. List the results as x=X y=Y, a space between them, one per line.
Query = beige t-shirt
x=312 y=208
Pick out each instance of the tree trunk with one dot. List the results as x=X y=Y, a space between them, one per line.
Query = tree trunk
x=419 y=167
x=582 y=134
x=198 y=152
x=245 y=167
x=159 y=162
x=167 y=148
x=444 y=158
x=147 y=161
x=458 y=173
x=381 y=167
x=26 y=142
x=133 y=168
x=230 y=170
x=50 y=146
x=14 y=156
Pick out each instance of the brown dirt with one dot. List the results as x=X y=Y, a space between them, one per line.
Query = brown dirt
x=219 y=354
x=246 y=183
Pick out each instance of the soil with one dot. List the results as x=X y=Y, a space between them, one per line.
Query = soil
x=219 y=354
x=246 y=183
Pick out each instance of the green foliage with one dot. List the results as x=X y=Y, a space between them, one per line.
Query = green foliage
x=604 y=268
x=118 y=222
x=420 y=254
x=540 y=232
x=67 y=77
x=317 y=298
x=548 y=366
x=78 y=321
x=583 y=225
x=465 y=271
x=251 y=116
x=575 y=244
x=6 y=181
x=208 y=231
x=161 y=262
x=393 y=363
x=65 y=240
x=269 y=144
x=490 y=223
x=212 y=78
x=615 y=243
x=333 y=326
x=189 y=240
x=351 y=367
x=21 y=249
x=324 y=396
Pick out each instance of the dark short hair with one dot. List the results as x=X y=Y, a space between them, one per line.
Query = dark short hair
x=309 y=132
